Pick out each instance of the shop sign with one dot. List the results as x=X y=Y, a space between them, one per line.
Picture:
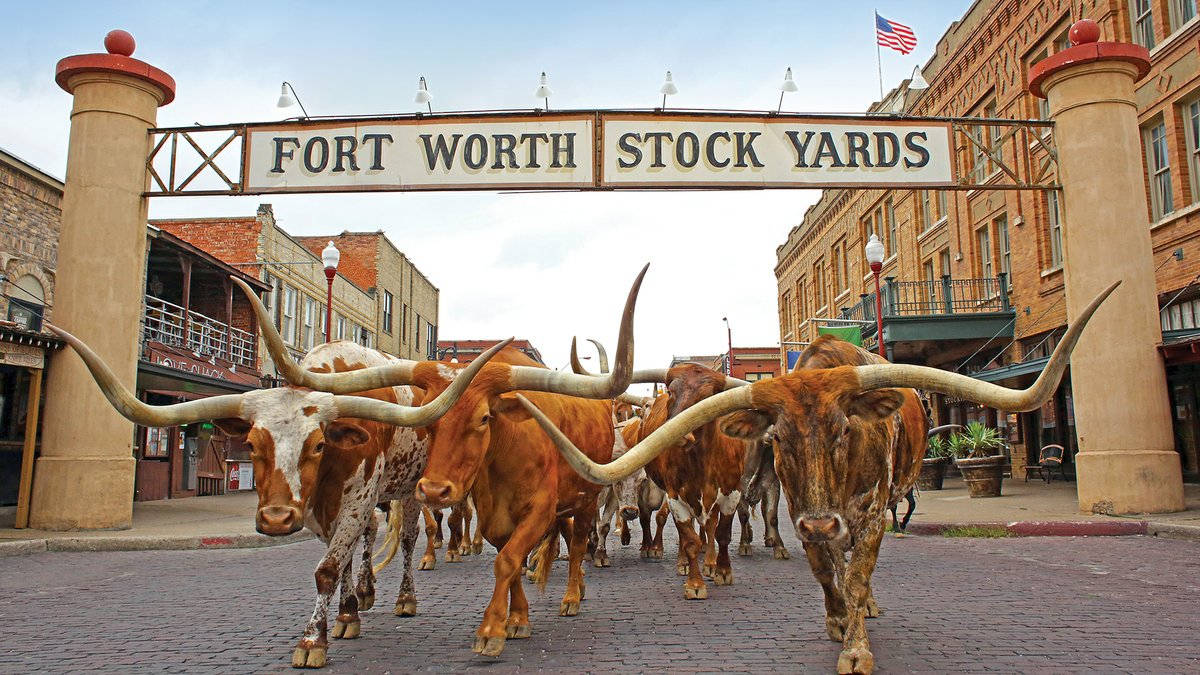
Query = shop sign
x=25 y=356
x=177 y=359
x=597 y=150
x=240 y=476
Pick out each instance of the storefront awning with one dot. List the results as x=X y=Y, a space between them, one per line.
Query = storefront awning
x=1012 y=370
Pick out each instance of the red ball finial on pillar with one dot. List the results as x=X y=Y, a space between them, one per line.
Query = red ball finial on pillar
x=1084 y=31
x=119 y=42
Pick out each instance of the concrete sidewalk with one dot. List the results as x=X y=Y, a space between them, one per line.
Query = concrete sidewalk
x=225 y=521
x=1036 y=508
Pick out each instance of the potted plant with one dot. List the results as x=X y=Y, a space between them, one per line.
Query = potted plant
x=933 y=467
x=980 y=459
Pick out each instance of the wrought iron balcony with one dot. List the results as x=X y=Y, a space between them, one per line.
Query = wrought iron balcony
x=939 y=297
x=171 y=324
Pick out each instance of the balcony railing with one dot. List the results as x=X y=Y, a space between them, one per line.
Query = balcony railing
x=937 y=297
x=171 y=324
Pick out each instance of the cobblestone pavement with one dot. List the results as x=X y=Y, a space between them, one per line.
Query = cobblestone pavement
x=1019 y=605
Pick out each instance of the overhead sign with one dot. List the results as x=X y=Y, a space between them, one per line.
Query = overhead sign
x=596 y=150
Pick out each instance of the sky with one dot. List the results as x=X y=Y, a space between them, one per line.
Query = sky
x=541 y=266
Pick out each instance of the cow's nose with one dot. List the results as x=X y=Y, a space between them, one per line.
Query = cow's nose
x=434 y=491
x=278 y=520
x=819 y=529
x=629 y=512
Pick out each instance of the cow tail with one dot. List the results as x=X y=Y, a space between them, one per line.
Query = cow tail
x=543 y=557
x=391 y=543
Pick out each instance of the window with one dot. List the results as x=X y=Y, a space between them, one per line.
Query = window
x=1143 y=22
x=404 y=323
x=1181 y=315
x=339 y=324
x=893 y=242
x=755 y=377
x=1001 y=224
x=927 y=272
x=417 y=333
x=288 y=321
x=818 y=275
x=271 y=299
x=841 y=262
x=944 y=262
x=986 y=139
x=1191 y=120
x=1054 y=225
x=26 y=314
x=311 y=309
x=983 y=239
x=387 y=312
x=785 y=313
x=926 y=211
x=1181 y=11
x=430 y=340
x=801 y=301
x=1060 y=42
x=1159 y=164
x=943 y=207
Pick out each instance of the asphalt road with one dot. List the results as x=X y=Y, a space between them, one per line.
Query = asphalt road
x=1107 y=604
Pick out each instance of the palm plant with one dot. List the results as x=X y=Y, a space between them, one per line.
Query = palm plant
x=976 y=441
x=938 y=448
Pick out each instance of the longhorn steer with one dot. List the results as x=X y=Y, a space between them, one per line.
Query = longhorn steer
x=849 y=440
x=320 y=460
x=760 y=485
x=619 y=499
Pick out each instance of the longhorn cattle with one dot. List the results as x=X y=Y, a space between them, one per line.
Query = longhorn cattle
x=760 y=485
x=461 y=543
x=320 y=460
x=486 y=447
x=849 y=440
x=620 y=499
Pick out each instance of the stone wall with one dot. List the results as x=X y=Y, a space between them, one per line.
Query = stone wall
x=30 y=219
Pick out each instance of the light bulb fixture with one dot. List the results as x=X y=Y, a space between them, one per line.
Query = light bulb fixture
x=917 y=80
x=543 y=90
x=787 y=86
x=423 y=95
x=668 y=88
x=875 y=251
x=331 y=256
x=286 y=100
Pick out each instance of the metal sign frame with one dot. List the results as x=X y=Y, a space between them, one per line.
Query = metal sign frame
x=986 y=153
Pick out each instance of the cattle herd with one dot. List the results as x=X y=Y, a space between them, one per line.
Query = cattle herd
x=537 y=455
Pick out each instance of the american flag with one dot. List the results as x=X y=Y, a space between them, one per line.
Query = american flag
x=894 y=35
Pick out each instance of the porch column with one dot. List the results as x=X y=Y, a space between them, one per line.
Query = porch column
x=84 y=476
x=1127 y=461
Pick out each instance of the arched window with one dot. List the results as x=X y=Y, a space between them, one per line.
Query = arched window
x=26 y=302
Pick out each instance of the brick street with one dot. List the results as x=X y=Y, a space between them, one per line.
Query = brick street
x=1110 y=604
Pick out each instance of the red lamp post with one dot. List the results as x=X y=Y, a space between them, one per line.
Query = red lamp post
x=875 y=260
x=330 y=256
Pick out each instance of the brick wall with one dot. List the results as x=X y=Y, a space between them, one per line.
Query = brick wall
x=30 y=221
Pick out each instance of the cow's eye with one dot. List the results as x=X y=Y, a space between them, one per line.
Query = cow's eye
x=319 y=448
x=485 y=419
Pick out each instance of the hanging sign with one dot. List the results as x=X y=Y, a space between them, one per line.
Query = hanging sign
x=597 y=150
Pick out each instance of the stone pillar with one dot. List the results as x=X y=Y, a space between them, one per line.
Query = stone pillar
x=84 y=476
x=1127 y=461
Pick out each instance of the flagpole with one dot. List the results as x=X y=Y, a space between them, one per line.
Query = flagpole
x=878 y=57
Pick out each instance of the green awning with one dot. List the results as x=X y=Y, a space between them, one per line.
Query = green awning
x=851 y=334
x=1012 y=370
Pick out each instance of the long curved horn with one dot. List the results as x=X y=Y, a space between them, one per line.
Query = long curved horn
x=937 y=430
x=584 y=386
x=212 y=408
x=602 y=355
x=651 y=446
x=878 y=376
x=273 y=341
x=577 y=365
x=635 y=400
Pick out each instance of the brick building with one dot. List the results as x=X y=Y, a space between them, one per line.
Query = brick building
x=973 y=279
x=466 y=351
x=749 y=363
x=406 y=308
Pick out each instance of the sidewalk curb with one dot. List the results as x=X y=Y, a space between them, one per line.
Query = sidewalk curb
x=1172 y=531
x=1051 y=528
x=143 y=543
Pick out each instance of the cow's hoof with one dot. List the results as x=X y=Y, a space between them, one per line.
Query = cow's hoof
x=465 y=549
x=531 y=574
x=781 y=553
x=708 y=569
x=406 y=605
x=437 y=543
x=346 y=628
x=568 y=608
x=682 y=569
x=836 y=628
x=645 y=553
x=601 y=560
x=722 y=577
x=873 y=609
x=700 y=593
x=770 y=542
x=427 y=564
x=656 y=553
x=453 y=556
x=366 y=601
x=477 y=548
x=488 y=646
x=518 y=631
x=745 y=549
x=858 y=660
x=308 y=657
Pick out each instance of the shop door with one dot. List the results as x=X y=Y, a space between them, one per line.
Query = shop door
x=1187 y=426
x=191 y=454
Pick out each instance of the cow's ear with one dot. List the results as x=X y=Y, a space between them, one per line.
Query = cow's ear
x=233 y=426
x=747 y=425
x=507 y=404
x=345 y=434
x=875 y=404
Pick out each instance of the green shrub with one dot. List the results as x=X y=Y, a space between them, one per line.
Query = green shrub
x=938 y=448
x=976 y=531
x=977 y=441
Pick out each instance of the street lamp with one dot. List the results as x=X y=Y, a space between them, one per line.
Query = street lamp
x=875 y=260
x=543 y=90
x=788 y=86
x=287 y=100
x=729 y=337
x=330 y=256
x=668 y=89
x=423 y=95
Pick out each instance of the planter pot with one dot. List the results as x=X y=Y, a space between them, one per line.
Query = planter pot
x=983 y=475
x=933 y=471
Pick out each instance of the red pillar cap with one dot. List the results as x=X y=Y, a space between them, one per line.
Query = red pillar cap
x=1084 y=36
x=120 y=45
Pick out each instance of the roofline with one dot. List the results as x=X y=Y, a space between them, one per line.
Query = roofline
x=383 y=235
x=207 y=257
x=30 y=170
